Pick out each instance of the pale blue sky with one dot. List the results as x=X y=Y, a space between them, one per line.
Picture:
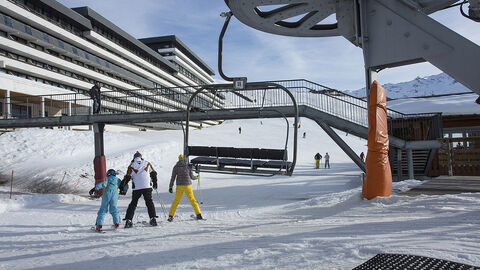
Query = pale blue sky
x=332 y=61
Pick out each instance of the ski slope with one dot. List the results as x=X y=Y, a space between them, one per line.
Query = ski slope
x=315 y=219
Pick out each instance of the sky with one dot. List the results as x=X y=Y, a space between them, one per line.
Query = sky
x=331 y=61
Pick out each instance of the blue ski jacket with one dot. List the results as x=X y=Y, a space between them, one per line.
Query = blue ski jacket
x=109 y=199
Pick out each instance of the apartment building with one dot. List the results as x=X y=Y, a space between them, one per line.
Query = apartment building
x=47 y=48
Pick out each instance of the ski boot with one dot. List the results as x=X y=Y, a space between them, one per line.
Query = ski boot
x=116 y=226
x=128 y=223
x=153 y=222
x=199 y=216
x=170 y=218
x=98 y=228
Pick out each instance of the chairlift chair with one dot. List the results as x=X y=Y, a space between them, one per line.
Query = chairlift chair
x=242 y=161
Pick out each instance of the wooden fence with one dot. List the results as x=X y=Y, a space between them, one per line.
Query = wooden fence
x=459 y=156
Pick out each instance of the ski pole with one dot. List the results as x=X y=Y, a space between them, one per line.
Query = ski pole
x=161 y=204
x=199 y=189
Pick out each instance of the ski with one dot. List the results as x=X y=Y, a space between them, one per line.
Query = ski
x=195 y=217
x=100 y=231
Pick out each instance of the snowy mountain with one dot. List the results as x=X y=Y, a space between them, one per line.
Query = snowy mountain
x=421 y=86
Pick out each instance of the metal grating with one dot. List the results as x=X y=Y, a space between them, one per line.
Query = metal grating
x=385 y=261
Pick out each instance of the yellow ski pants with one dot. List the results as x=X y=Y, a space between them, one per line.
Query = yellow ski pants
x=178 y=196
x=317 y=163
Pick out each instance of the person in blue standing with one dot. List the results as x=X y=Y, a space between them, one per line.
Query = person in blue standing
x=109 y=199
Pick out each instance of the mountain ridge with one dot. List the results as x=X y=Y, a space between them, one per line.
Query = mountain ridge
x=433 y=85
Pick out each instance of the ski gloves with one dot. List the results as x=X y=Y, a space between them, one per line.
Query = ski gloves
x=124 y=183
x=170 y=189
x=153 y=176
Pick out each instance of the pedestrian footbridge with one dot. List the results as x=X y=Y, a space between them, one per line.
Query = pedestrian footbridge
x=412 y=136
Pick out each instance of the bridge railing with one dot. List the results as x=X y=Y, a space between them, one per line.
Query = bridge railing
x=325 y=99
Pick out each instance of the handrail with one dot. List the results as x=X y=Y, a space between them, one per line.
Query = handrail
x=169 y=99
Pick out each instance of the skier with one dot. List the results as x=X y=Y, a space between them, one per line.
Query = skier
x=239 y=130
x=139 y=171
x=109 y=200
x=327 y=160
x=317 y=157
x=95 y=95
x=362 y=156
x=183 y=176
x=304 y=135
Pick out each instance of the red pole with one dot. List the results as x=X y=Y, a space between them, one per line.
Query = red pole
x=11 y=185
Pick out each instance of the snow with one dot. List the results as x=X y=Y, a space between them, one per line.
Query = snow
x=439 y=84
x=447 y=105
x=315 y=219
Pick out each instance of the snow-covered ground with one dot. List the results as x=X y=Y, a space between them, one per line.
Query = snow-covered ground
x=315 y=219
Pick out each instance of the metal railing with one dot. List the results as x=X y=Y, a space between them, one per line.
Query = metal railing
x=169 y=99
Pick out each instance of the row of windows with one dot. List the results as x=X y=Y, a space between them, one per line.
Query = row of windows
x=188 y=74
x=109 y=35
x=122 y=102
x=182 y=99
x=50 y=15
x=125 y=44
x=67 y=48
x=61 y=44
x=62 y=71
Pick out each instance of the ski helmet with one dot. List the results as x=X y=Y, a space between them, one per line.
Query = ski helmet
x=111 y=172
x=180 y=157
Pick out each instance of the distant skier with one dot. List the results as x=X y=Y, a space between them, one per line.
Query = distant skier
x=317 y=157
x=362 y=156
x=143 y=177
x=109 y=200
x=95 y=95
x=239 y=130
x=184 y=176
x=327 y=160
x=304 y=135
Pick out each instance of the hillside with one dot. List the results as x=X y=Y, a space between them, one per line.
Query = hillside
x=439 y=84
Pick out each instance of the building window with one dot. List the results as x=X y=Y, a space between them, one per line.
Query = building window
x=60 y=44
x=45 y=37
x=74 y=50
x=7 y=21
x=28 y=30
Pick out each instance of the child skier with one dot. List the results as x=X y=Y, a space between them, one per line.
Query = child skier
x=109 y=199
x=184 y=176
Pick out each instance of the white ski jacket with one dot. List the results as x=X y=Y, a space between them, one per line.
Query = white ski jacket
x=140 y=170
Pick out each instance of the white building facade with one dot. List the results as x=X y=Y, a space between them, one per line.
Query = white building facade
x=48 y=49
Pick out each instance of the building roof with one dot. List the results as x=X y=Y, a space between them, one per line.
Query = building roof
x=182 y=47
x=70 y=15
x=97 y=18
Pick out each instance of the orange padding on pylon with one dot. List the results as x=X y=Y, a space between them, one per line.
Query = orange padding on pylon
x=379 y=176
x=100 y=167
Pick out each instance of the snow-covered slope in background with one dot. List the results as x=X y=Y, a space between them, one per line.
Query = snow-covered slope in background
x=427 y=86
x=315 y=219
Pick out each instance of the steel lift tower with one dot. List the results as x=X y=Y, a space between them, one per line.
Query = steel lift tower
x=391 y=32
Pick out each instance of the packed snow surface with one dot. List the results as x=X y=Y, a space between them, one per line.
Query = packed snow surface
x=315 y=219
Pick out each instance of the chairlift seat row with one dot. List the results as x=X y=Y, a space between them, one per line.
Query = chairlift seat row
x=245 y=161
x=230 y=156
